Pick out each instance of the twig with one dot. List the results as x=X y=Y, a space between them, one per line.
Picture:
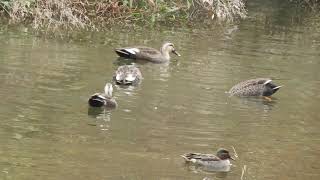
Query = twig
x=244 y=169
x=235 y=153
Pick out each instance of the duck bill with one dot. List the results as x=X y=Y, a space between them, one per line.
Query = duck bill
x=232 y=158
x=176 y=53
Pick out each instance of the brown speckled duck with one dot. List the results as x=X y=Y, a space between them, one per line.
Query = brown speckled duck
x=254 y=87
x=127 y=75
x=147 y=53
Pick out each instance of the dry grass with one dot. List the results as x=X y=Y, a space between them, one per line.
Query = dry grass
x=98 y=14
x=19 y=10
x=313 y=5
x=235 y=152
x=244 y=169
x=66 y=14
x=221 y=10
x=92 y=14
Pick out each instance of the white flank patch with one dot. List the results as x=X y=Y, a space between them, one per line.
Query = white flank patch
x=267 y=82
x=133 y=50
x=130 y=77
x=102 y=97
x=193 y=160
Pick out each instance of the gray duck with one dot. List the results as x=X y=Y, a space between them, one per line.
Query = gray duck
x=220 y=160
x=147 y=53
x=127 y=75
x=254 y=87
x=103 y=99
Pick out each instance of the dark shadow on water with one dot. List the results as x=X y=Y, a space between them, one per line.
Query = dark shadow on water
x=98 y=111
x=258 y=101
x=94 y=112
x=129 y=87
x=255 y=102
x=123 y=61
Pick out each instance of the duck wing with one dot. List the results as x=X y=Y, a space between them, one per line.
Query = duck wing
x=139 y=52
x=199 y=156
x=253 y=82
x=147 y=53
x=148 y=50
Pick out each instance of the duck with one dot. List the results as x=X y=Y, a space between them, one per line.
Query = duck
x=255 y=87
x=220 y=160
x=127 y=75
x=103 y=99
x=148 y=53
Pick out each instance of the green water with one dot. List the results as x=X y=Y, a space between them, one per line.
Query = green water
x=48 y=132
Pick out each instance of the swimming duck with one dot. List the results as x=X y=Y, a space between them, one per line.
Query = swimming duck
x=254 y=87
x=127 y=74
x=103 y=99
x=220 y=160
x=147 y=53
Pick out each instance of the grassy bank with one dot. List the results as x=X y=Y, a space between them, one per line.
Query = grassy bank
x=98 y=14
x=52 y=15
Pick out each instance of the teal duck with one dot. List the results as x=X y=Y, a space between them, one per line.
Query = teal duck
x=103 y=99
x=127 y=75
x=220 y=160
x=254 y=87
x=147 y=53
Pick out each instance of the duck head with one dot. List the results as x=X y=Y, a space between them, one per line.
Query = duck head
x=168 y=47
x=223 y=154
x=108 y=89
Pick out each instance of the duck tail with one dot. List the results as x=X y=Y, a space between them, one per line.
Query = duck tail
x=123 y=53
x=96 y=101
x=127 y=52
x=185 y=157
